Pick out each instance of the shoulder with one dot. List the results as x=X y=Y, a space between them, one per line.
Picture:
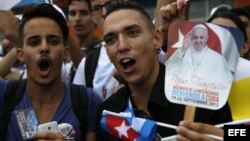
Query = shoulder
x=79 y=75
x=85 y=97
x=3 y=87
x=93 y=98
x=6 y=85
x=82 y=63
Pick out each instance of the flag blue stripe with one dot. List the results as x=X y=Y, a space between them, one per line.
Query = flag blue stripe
x=104 y=124
x=238 y=36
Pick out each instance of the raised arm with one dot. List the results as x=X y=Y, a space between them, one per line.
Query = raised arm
x=7 y=62
x=8 y=26
x=167 y=11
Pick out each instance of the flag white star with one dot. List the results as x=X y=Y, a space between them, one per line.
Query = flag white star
x=122 y=129
x=180 y=41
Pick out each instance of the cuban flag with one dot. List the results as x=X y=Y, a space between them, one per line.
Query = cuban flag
x=127 y=127
x=239 y=97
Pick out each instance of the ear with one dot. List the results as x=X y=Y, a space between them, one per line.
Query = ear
x=244 y=49
x=158 y=40
x=20 y=56
x=66 y=52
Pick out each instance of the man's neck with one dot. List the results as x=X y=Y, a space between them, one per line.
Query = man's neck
x=141 y=92
x=45 y=99
x=46 y=93
x=85 y=41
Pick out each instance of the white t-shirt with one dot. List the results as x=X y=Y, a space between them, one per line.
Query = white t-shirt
x=104 y=84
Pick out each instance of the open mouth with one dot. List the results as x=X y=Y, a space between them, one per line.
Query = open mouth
x=127 y=64
x=78 y=27
x=44 y=66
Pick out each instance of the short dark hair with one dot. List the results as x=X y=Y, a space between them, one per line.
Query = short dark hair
x=130 y=5
x=43 y=10
x=233 y=17
x=87 y=1
x=241 y=12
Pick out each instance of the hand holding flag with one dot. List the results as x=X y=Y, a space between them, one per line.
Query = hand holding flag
x=128 y=128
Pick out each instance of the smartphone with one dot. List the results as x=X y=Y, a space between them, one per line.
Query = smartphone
x=49 y=126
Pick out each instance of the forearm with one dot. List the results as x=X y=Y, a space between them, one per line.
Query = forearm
x=12 y=76
x=8 y=26
x=7 y=62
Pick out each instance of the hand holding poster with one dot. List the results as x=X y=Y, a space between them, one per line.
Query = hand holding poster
x=201 y=63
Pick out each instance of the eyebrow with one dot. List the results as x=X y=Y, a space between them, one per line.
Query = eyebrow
x=133 y=26
x=127 y=28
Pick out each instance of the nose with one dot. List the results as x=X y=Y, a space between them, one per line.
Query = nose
x=78 y=16
x=44 y=48
x=104 y=11
x=199 y=39
x=123 y=44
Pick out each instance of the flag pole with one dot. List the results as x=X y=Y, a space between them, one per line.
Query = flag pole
x=242 y=121
x=189 y=113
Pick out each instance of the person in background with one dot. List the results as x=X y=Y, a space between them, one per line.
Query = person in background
x=80 y=18
x=238 y=97
x=228 y=18
x=98 y=8
x=244 y=15
x=104 y=83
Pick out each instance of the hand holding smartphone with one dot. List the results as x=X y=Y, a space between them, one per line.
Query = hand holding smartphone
x=49 y=126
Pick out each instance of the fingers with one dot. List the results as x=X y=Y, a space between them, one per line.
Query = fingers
x=171 y=12
x=167 y=15
x=168 y=12
x=185 y=134
x=181 y=4
x=48 y=136
x=203 y=128
x=196 y=131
